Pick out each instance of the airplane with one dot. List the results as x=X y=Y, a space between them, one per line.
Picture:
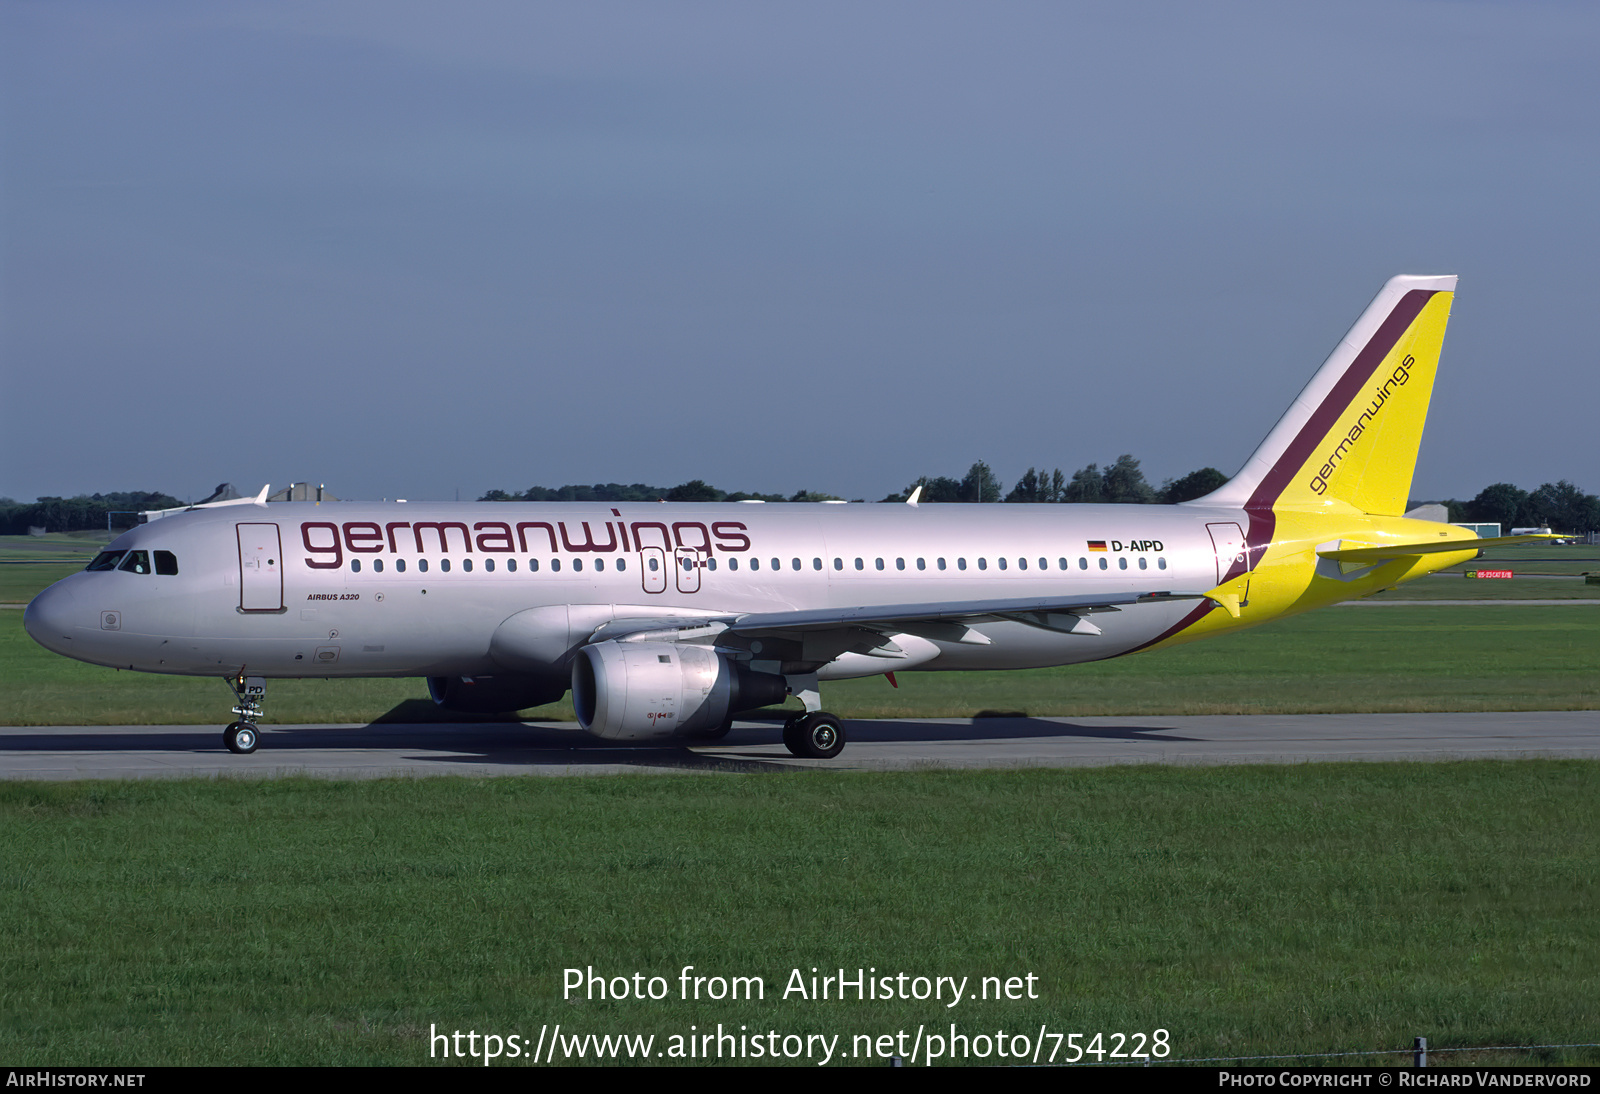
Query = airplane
x=666 y=620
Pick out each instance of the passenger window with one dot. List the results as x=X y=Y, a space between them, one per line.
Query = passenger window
x=1103 y=565
x=488 y=564
x=755 y=563
x=878 y=562
x=794 y=564
x=533 y=565
x=776 y=564
x=1161 y=564
x=511 y=565
x=838 y=564
x=733 y=564
x=983 y=564
x=166 y=564
x=466 y=565
x=1063 y=563
x=355 y=565
x=577 y=565
x=922 y=564
x=1083 y=564
x=399 y=565
x=1002 y=563
x=136 y=562
x=711 y=563
x=1122 y=563
x=941 y=564
x=106 y=560
x=961 y=564
x=622 y=564
x=422 y=565
x=816 y=564
x=599 y=564
x=1144 y=563
x=1022 y=564
x=555 y=565
x=653 y=565
x=377 y=565
x=899 y=564
x=859 y=565
x=444 y=565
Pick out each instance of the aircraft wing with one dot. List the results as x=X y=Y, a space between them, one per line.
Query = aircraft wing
x=949 y=620
x=945 y=620
x=1342 y=553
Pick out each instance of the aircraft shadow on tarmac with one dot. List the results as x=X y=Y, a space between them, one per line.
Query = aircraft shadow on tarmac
x=532 y=744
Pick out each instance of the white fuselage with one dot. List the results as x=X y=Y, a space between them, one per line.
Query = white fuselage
x=350 y=589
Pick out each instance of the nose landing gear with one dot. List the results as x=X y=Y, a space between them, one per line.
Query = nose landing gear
x=242 y=736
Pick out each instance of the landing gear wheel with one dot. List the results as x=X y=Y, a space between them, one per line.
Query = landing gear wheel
x=241 y=737
x=818 y=736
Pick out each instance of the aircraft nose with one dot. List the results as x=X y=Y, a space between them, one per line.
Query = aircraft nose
x=51 y=618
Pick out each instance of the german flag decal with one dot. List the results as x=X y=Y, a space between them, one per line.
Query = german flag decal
x=1097 y=545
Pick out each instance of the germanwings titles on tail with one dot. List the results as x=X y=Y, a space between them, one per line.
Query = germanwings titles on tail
x=666 y=620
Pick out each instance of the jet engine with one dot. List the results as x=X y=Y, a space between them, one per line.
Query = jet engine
x=652 y=690
x=495 y=694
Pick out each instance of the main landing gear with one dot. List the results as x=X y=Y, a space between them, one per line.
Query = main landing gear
x=815 y=736
x=250 y=691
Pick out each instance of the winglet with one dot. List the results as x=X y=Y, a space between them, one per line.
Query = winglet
x=915 y=496
x=261 y=498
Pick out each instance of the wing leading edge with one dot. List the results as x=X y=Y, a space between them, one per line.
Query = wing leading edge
x=947 y=620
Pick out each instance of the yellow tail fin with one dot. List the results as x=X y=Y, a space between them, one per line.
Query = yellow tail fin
x=1352 y=435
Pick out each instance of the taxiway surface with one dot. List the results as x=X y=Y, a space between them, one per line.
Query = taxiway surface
x=369 y=751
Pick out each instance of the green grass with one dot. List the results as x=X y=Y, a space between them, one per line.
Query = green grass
x=21 y=582
x=1337 y=660
x=1247 y=910
x=56 y=545
x=1455 y=587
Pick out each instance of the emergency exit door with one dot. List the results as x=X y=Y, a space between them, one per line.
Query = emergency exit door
x=260 y=568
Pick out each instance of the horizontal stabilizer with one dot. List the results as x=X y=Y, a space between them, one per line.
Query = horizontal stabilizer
x=1430 y=547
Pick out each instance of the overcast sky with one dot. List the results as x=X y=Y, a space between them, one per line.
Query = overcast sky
x=407 y=249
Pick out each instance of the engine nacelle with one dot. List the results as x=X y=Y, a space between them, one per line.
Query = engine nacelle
x=652 y=690
x=495 y=694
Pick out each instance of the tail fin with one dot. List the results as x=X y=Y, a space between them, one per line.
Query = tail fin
x=1352 y=435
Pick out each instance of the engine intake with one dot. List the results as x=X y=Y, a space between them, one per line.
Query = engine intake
x=652 y=690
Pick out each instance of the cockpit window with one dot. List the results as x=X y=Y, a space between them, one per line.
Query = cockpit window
x=166 y=564
x=136 y=562
x=106 y=560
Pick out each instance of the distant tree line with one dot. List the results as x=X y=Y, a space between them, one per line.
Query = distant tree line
x=1560 y=506
x=1117 y=483
x=693 y=490
x=82 y=513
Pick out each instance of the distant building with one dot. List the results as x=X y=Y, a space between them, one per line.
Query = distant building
x=303 y=491
x=223 y=492
x=1431 y=511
